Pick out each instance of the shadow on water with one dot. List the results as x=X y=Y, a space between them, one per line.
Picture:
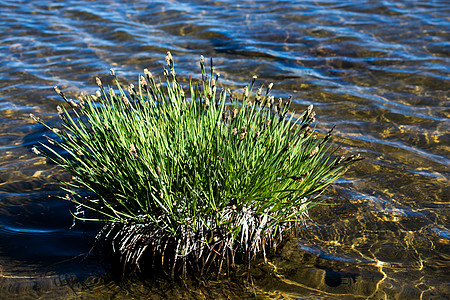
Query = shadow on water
x=379 y=70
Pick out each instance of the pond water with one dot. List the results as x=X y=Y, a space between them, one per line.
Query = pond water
x=379 y=70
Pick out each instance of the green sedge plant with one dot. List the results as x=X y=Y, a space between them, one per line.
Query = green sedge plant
x=190 y=175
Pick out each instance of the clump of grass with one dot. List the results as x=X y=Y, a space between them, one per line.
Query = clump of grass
x=191 y=175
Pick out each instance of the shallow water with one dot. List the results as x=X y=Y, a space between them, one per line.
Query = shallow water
x=379 y=70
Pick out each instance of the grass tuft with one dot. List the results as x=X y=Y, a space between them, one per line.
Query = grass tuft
x=188 y=174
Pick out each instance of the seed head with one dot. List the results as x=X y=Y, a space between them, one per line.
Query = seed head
x=50 y=140
x=56 y=130
x=234 y=131
x=242 y=135
x=133 y=151
x=158 y=170
x=143 y=81
x=147 y=73
x=353 y=157
x=105 y=169
x=98 y=94
x=169 y=59
x=202 y=59
x=314 y=151
x=258 y=93
x=125 y=101
x=246 y=92
x=98 y=81
x=73 y=104
x=341 y=159
x=131 y=89
x=59 y=92
x=36 y=119
x=60 y=110
x=113 y=73
x=235 y=112
x=36 y=151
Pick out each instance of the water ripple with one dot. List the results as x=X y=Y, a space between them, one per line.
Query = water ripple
x=378 y=69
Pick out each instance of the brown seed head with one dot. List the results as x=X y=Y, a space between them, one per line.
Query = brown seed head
x=113 y=73
x=98 y=81
x=246 y=92
x=125 y=101
x=202 y=59
x=234 y=131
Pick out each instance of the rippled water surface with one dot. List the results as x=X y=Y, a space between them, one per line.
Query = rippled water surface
x=379 y=70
